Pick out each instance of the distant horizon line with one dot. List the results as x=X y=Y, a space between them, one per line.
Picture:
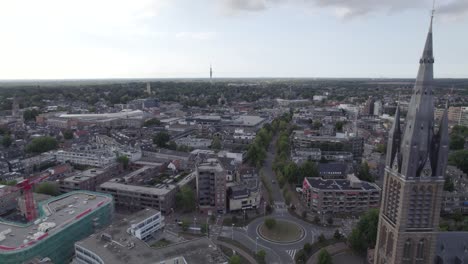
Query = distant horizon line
x=218 y=78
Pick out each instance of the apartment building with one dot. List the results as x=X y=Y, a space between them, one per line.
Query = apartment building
x=332 y=196
x=211 y=186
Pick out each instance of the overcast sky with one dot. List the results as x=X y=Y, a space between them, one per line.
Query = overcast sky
x=60 y=39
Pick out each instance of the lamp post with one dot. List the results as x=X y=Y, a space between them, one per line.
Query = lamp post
x=232 y=232
x=256 y=245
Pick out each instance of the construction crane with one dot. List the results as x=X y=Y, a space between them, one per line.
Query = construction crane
x=26 y=189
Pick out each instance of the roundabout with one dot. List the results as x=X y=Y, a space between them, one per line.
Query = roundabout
x=282 y=232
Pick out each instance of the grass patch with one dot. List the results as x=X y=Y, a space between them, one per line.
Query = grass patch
x=228 y=252
x=239 y=245
x=161 y=243
x=282 y=231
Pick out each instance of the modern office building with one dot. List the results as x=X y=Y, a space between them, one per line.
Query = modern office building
x=63 y=221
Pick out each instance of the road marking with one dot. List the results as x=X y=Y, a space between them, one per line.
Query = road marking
x=292 y=253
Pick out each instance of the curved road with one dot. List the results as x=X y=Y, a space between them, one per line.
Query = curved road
x=276 y=252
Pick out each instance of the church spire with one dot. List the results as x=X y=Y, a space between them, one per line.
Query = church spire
x=419 y=132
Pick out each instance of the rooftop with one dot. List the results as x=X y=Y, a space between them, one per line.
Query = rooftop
x=113 y=184
x=340 y=185
x=84 y=175
x=115 y=245
x=58 y=212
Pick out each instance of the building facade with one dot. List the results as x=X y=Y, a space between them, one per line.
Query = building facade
x=211 y=186
x=145 y=223
x=414 y=176
x=336 y=196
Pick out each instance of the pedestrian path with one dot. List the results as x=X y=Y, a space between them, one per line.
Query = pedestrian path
x=292 y=253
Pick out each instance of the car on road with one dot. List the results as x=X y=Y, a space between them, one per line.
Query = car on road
x=273 y=181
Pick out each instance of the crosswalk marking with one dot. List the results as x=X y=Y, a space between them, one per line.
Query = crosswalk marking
x=292 y=253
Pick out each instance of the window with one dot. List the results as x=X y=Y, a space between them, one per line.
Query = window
x=420 y=250
x=407 y=251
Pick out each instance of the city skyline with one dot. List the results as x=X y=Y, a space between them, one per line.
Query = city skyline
x=241 y=38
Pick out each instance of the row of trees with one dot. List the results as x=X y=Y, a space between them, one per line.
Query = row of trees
x=257 y=151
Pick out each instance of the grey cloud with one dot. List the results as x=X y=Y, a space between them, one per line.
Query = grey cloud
x=352 y=8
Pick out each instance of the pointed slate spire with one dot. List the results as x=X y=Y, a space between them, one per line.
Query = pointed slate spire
x=419 y=131
x=439 y=156
x=394 y=139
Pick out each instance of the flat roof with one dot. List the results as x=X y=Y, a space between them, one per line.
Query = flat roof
x=84 y=175
x=114 y=185
x=121 y=247
x=63 y=211
x=340 y=185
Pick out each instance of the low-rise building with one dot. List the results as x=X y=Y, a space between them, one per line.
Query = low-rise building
x=114 y=245
x=349 y=196
x=134 y=197
x=145 y=223
x=245 y=193
x=89 y=179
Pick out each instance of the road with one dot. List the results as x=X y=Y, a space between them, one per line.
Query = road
x=271 y=175
x=280 y=253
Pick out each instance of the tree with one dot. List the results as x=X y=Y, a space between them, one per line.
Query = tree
x=270 y=223
x=457 y=216
x=449 y=185
x=7 y=141
x=339 y=126
x=47 y=188
x=235 y=259
x=460 y=160
x=456 y=142
x=9 y=183
x=307 y=248
x=256 y=155
x=172 y=145
x=204 y=228
x=381 y=148
x=42 y=144
x=316 y=125
x=301 y=257
x=124 y=161
x=185 y=199
x=364 y=235
x=68 y=134
x=161 y=139
x=337 y=235
x=330 y=220
x=364 y=173
x=261 y=254
x=322 y=239
x=216 y=144
x=152 y=122
x=185 y=226
x=324 y=257
x=29 y=115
